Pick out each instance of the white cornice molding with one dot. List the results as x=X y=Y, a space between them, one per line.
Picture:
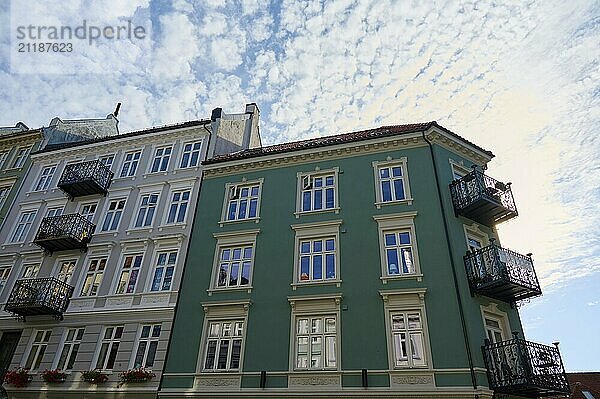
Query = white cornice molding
x=346 y=150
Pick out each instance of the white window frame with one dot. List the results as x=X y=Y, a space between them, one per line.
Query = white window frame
x=392 y=163
x=58 y=266
x=302 y=184
x=130 y=270
x=106 y=157
x=127 y=165
x=406 y=301
x=148 y=340
x=26 y=229
x=40 y=348
x=233 y=192
x=178 y=204
x=88 y=214
x=326 y=306
x=5 y=270
x=69 y=346
x=491 y=311
x=145 y=209
x=161 y=158
x=231 y=240
x=27 y=266
x=4 y=193
x=55 y=211
x=315 y=231
x=398 y=222
x=3 y=158
x=155 y=266
x=45 y=178
x=214 y=312
x=192 y=151
x=19 y=159
x=474 y=232
x=107 y=210
x=459 y=170
x=110 y=342
x=93 y=274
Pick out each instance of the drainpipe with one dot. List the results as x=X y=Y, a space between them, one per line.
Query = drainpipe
x=452 y=264
x=189 y=244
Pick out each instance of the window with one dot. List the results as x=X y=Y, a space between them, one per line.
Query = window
x=70 y=347
x=407 y=336
x=45 y=178
x=235 y=265
x=493 y=329
x=4 y=273
x=224 y=345
x=93 y=277
x=316 y=343
x=3 y=156
x=147 y=209
x=398 y=246
x=88 y=211
x=317 y=259
x=317 y=253
x=30 y=270
x=113 y=215
x=107 y=160
x=398 y=252
x=37 y=349
x=406 y=325
x=107 y=354
x=24 y=223
x=130 y=163
x=147 y=345
x=21 y=157
x=391 y=179
x=65 y=270
x=242 y=201
x=163 y=272
x=317 y=191
x=162 y=156
x=179 y=205
x=4 y=191
x=129 y=274
x=191 y=154
x=55 y=211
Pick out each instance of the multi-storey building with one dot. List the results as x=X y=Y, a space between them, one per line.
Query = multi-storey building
x=364 y=264
x=15 y=145
x=94 y=251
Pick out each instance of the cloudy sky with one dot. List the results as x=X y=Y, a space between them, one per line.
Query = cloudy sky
x=521 y=79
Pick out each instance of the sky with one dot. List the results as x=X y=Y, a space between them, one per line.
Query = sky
x=519 y=78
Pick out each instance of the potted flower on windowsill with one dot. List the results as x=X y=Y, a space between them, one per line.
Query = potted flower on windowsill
x=136 y=375
x=18 y=377
x=56 y=376
x=94 y=377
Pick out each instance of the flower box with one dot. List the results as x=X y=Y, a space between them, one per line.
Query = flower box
x=137 y=375
x=56 y=376
x=18 y=377
x=94 y=377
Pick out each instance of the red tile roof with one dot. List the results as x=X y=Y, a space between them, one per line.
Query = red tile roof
x=580 y=382
x=383 y=131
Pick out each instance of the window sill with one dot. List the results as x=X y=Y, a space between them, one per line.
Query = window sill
x=297 y=284
x=411 y=276
x=406 y=201
x=36 y=192
x=224 y=222
x=303 y=213
x=7 y=170
x=213 y=290
x=175 y=225
x=189 y=168
x=139 y=230
x=159 y=173
x=123 y=178
x=113 y=233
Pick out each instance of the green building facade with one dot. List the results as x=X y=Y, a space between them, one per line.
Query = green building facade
x=357 y=265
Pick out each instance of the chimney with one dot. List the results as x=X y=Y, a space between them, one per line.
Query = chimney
x=234 y=132
x=251 y=132
x=116 y=113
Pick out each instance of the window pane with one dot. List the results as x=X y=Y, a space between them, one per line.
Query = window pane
x=236 y=349
x=210 y=355
x=386 y=190
x=416 y=343
x=407 y=265
x=404 y=238
x=318 y=267
x=139 y=356
x=329 y=198
x=330 y=354
x=330 y=265
x=223 y=352
x=396 y=171
x=399 y=189
x=392 y=261
x=151 y=353
x=302 y=326
x=390 y=239
x=318 y=199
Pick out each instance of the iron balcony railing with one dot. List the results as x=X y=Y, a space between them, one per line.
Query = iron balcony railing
x=39 y=296
x=64 y=232
x=501 y=273
x=524 y=368
x=85 y=178
x=482 y=198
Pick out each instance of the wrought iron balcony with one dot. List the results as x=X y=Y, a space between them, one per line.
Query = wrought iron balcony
x=523 y=368
x=85 y=178
x=39 y=296
x=483 y=199
x=64 y=232
x=502 y=274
